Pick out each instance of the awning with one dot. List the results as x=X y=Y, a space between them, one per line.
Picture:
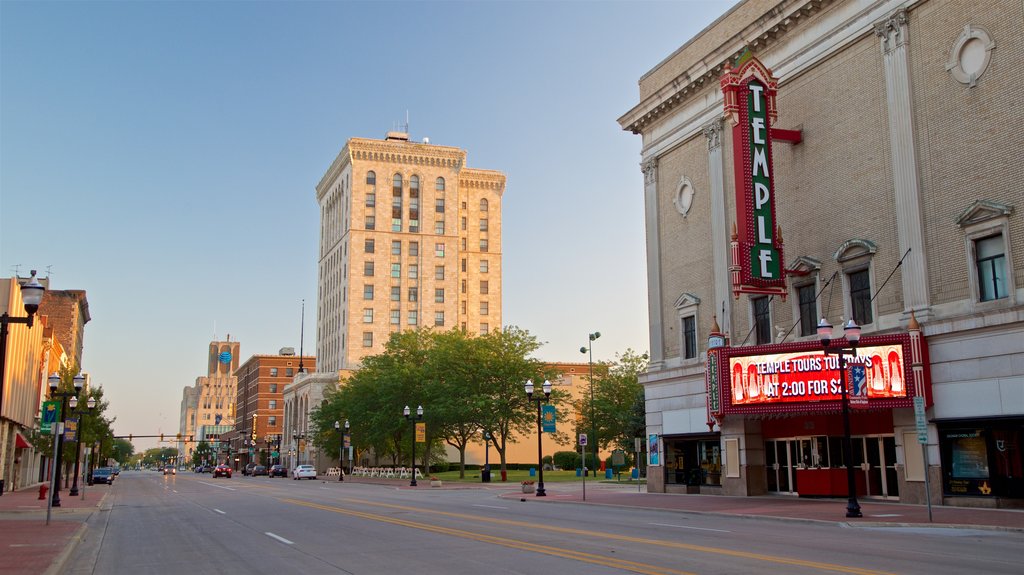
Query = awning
x=20 y=442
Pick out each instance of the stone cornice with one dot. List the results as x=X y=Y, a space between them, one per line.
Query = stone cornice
x=756 y=36
x=395 y=152
x=482 y=179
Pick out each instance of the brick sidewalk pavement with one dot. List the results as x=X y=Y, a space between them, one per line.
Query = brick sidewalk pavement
x=30 y=546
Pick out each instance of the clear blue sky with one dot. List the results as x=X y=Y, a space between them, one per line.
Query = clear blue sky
x=163 y=157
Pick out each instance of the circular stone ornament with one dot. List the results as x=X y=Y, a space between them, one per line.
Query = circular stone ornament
x=684 y=196
x=970 y=55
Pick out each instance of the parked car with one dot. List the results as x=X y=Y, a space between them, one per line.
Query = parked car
x=222 y=470
x=117 y=471
x=170 y=470
x=258 y=470
x=278 y=471
x=304 y=472
x=103 y=475
x=247 y=470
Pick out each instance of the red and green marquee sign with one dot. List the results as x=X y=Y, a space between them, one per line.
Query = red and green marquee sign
x=749 y=93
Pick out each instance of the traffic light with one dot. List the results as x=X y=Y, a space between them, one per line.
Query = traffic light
x=179 y=437
x=129 y=438
x=161 y=437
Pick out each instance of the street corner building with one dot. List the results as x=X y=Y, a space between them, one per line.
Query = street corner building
x=848 y=161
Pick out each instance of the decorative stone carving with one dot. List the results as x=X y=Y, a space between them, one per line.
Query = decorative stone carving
x=970 y=55
x=650 y=170
x=683 y=199
x=713 y=132
x=893 y=31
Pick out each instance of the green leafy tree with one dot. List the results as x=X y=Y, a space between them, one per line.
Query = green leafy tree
x=616 y=390
x=203 y=453
x=121 y=451
x=507 y=366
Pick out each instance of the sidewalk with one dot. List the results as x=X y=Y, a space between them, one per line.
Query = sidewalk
x=29 y=546
x=876 y=512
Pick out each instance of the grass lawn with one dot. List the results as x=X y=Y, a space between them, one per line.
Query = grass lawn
x=520 y=475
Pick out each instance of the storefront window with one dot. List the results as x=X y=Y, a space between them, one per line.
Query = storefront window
x=693 y=462
x=711 y=462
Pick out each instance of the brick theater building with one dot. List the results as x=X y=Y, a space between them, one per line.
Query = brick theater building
x=848 y=161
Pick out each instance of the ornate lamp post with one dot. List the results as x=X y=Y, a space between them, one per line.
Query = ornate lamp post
x=593 y=421
x=31 y=296
x=73 y=403
x=54 y=382
x=419 y=415
x=341 y=449
x=540 y=431
x=852 y=332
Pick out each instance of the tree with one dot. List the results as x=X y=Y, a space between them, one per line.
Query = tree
x=616 y=391
x=202 y=454
x=122 y=451
x=507 y=366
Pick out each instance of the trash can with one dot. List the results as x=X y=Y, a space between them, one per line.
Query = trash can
x=485 y=474
x=579 y=472
x=533 y=472
x=635 y=473
x=607 y=473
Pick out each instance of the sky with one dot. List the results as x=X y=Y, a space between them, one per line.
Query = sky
x=163 y=156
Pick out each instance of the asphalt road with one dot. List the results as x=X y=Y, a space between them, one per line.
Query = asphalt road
x=196 y=524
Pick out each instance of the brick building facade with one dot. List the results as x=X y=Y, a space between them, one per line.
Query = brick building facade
x=899 y=197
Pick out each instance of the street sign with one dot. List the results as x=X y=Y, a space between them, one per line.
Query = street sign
x=583 y=439
x=275 y=454
x=920 y=421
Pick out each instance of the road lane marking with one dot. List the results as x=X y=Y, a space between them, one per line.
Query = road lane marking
x=489 y=506
x=279 y=538
x=604 y=561
x=688 y=527
x=219 y=511
x=587 y=533
x=218 y=486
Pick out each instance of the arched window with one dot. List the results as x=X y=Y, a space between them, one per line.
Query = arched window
x=396 y=185
x=439 y=185
x=371 y=178
x=414 y=187
x=483 y=205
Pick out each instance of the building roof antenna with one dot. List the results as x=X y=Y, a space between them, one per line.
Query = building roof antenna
x=302 y=336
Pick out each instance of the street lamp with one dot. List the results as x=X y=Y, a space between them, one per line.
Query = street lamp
x=540 y=431
x=73 y=403
x=341 y=449
x=54 y=381
x=31 y=296
x=852 y=332
x=485 y=476
x=593 y=421
x=419 y=415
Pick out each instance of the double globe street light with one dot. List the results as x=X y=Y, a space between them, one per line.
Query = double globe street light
x=54 y=381
x=73 y=404
x=852 y=333
x=341 y=449
x=408 y=417
x=540 y=431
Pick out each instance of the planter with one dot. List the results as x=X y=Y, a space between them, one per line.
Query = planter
x=528 y=489
x=435 y=483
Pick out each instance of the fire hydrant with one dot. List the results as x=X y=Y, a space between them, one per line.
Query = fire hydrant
x=42 y=491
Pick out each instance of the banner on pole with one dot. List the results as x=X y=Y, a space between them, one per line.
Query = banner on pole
x=547 y=417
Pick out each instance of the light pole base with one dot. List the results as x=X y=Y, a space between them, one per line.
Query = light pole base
x=853 y=509
x=540 y=490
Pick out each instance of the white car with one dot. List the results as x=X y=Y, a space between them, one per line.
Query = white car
x=304 y=472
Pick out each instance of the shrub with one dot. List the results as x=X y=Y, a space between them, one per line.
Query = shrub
x=566 y=459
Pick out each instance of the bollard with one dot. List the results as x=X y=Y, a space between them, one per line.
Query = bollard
x=42 y=491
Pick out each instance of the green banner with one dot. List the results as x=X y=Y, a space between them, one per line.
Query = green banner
x=50 y=416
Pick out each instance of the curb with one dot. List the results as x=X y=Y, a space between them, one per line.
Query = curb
x=57 y=565
x=847 y=524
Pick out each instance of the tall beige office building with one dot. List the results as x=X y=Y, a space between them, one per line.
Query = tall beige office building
x=208 y=407
x=409 y=237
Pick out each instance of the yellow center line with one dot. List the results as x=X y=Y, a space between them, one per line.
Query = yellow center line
x=503 y=541
x=585 y=533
